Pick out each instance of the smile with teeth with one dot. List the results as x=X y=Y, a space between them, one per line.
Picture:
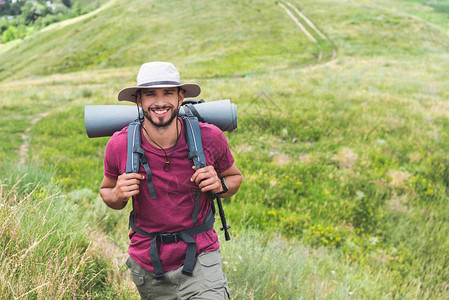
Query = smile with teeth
x=160 y=111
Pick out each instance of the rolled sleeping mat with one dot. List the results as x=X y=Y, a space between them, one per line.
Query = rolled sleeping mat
x=221 y=113
x=104 y=120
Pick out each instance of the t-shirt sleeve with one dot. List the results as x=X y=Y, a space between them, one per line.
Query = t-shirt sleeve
x=222 y=155
x=111 y=166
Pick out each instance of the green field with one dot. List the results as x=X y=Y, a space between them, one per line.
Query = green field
x=342 y=142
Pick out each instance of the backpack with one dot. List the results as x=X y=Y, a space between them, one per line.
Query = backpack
x=136 y=157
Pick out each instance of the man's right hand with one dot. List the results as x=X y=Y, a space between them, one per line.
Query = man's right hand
x=117 y=192
x=127 y=185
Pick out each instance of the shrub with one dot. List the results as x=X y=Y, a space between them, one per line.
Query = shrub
x=9 y=34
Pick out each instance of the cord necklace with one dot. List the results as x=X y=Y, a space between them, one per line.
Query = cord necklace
x=167 y=158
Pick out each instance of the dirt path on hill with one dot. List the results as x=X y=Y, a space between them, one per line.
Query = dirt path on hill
x=25 y=137
x=315 y=35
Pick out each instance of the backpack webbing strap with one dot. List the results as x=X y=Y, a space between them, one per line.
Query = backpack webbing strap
x=194 y=112
x=196 y=207
x=174 y=237
x=136 y=154
x=196 y=152
x=144 y=162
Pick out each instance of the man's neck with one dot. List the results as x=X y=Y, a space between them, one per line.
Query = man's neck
x=165 y=137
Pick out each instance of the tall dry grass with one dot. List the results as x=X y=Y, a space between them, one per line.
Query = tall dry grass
x=45 y=252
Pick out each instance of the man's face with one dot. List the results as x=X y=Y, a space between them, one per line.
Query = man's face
x=160 y=105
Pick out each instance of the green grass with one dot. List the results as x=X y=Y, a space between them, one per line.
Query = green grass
x=344 y=160
x=92 y=43
x=46 y=244
x=265 y=266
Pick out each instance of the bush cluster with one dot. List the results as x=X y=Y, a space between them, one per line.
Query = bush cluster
x=20 y=19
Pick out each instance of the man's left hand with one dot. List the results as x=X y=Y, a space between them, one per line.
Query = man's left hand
x=207 y=179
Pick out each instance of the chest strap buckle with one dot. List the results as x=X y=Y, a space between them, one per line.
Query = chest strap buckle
x=167 y=238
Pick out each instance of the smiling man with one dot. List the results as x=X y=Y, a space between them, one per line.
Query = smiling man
x=155 y=113
x=175 y=180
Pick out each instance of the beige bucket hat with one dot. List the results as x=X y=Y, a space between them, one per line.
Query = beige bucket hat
x=158 y=75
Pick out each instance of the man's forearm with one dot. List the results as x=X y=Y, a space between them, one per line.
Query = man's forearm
x=110 y=198
x=117 y=192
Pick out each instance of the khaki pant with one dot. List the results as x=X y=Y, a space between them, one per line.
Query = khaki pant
x=208 y=280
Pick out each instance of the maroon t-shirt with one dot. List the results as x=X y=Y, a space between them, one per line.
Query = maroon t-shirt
x=172 y=209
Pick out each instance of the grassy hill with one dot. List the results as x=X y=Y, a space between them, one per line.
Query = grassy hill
x=342 y=141
x=125 y=34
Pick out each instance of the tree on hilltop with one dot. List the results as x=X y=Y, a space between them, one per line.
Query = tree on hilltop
x=31 y=11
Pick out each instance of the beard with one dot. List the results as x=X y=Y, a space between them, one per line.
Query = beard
x=159 y=122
